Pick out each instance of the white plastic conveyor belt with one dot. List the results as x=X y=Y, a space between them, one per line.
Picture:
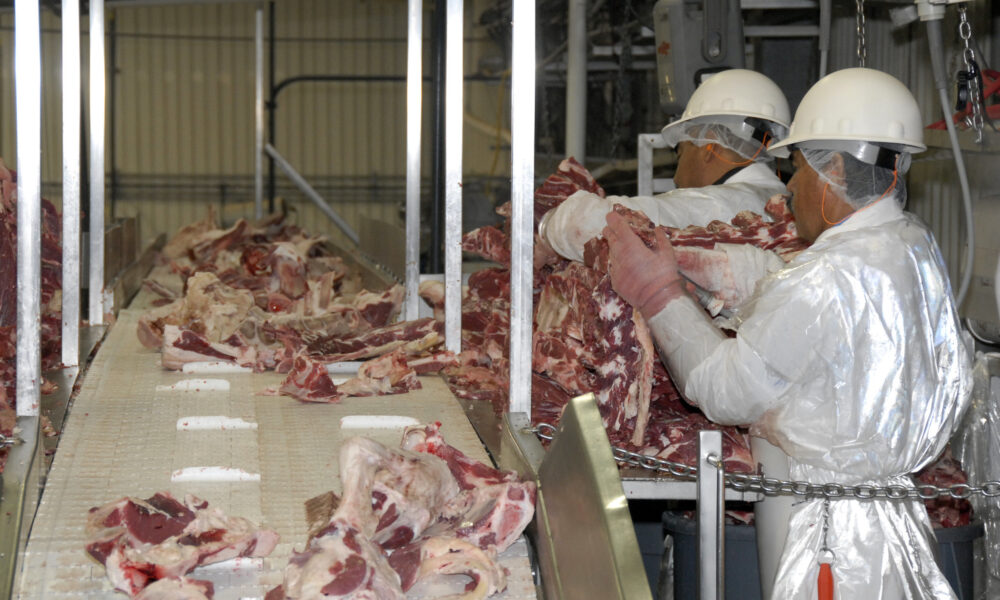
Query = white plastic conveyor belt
x=123 y=437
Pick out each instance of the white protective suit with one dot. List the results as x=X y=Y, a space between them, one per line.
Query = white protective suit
x=580 y=217
x=852 y=361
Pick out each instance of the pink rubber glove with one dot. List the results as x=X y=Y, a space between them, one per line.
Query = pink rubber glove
x=646 y=278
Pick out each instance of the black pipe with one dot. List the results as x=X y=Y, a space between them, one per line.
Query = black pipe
x=113 y=50
x=366 y=78
x=270 y=105
x=435 y=258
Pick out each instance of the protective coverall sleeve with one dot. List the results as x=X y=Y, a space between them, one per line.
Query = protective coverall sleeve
x=580 y=217
x=684 y=337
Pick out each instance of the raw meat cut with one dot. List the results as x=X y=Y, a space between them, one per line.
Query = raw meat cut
x=408 y=515
x=141 y=541
x=391 y=495
x=341 y=563
x=387 y=374
x=493 y=507
x=443 y=557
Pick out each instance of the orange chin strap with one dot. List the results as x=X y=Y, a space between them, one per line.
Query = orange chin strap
x=822 y=207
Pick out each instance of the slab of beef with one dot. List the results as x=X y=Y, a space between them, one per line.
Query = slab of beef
x=414 y=337
x=569 y=178
x=142 y=541
x=701 y=252
x=388 y=374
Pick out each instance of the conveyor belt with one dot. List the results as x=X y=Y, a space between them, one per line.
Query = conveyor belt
x=122 y=438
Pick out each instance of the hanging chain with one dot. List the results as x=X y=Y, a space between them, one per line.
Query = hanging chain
x=744 y=482
x=972 y=68
x=860 y=26
x=825 y=551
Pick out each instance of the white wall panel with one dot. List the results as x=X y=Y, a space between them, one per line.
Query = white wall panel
x=184 y=107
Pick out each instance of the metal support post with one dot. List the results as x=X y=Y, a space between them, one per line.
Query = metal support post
x=522 y=184
x=71 y=183
x=28 y=107
x=453 y=177
x=97 y=74
x=258 y=157
x=711 y=541
x=414 y=89
x=576 y=81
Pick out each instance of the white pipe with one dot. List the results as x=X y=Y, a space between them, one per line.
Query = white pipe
x=522 y=184
x=97 y=97
x=453 y=176
x=71 y=183
x=414 y=89
x=576 y=81
x=937 y=65
x=28 y=107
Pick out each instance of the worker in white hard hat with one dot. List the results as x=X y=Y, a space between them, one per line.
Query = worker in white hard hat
x=723 y=164
x=851 y=359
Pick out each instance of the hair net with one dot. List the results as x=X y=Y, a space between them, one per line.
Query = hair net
x=732 y=132
x=863 y=183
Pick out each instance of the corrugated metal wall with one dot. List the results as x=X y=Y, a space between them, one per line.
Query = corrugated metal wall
x=184 y=108
x=934 y=192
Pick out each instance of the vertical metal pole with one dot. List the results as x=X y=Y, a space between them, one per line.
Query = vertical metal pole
x=435 y=262
x=71 y=183
x=258 y=156
x=112 y=82
x=711 y=500
x=96 y=297
x=270 y=104
x=28 y=105
x=522 y=184
x=644 y=164
x=576 y=81
x=414 y=89
x=453 y=177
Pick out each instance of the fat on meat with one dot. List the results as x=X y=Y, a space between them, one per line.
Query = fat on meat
x=142 y=541
x=177 y=588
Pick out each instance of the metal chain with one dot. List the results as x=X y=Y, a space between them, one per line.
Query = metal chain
x=972 y=68
x=860 y=26
x=744 y=482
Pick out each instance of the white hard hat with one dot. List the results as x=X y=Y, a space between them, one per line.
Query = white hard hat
x=745 y=101
x=859 y=111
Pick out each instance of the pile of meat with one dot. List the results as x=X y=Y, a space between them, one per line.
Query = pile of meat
x=51 y=307
x=148 y=546
x=413 y=518
x=945 y=511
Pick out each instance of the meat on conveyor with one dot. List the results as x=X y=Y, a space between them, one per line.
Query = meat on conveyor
x=414 y=514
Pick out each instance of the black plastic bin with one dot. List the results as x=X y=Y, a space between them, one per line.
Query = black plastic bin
x=743 y=581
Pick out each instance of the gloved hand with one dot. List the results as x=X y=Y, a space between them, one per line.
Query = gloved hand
x=646 y=278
